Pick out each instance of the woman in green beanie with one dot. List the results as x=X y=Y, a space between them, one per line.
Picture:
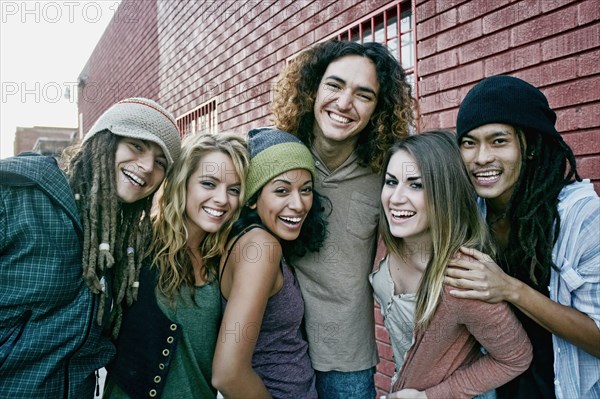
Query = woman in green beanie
x=261 y=351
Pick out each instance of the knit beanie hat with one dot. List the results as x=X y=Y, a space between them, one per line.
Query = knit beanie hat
x=273 y=152
x=508 y=100
x=142 y=119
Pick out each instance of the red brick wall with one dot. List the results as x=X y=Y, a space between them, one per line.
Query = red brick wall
x=124 y=62
x=234 y=50
x=26 y=137
x=555 y=45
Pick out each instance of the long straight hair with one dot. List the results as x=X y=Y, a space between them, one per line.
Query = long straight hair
x=170 y=233
x=454 y=218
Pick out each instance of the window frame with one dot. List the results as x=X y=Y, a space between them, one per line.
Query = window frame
x=202 y=119
x=356 y=30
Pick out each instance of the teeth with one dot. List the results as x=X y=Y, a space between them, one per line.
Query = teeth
x=488 y=174
x=403 y=213
x=487 y=179
x=133 y=177
x=214 y=212
x=292 y=220
x=339 y=118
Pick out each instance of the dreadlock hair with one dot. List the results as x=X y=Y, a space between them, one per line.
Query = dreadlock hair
x=114 y=233
x=170 y=220
x=454 y=219
x=296 y=89
x=547 y=165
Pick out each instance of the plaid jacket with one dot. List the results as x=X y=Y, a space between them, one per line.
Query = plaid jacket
x=50 y=344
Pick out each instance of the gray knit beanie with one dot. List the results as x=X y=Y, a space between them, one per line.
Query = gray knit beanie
x=509 y=100
x=142 y=119
x=273 y=152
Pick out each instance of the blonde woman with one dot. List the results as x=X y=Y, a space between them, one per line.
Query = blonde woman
x=428 y=212
x=168 y=337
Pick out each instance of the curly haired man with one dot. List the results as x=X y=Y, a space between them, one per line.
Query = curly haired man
x=348 y=102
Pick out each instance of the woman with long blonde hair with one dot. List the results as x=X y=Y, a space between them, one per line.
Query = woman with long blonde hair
x=168 y=337
x=428 y=212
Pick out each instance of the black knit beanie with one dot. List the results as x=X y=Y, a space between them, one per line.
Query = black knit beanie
x=273 y=152
x=508 y=100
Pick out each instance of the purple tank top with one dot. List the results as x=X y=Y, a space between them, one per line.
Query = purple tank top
x=281 y=354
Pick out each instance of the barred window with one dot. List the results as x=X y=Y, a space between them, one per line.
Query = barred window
x=393 y=26
x=201 y=120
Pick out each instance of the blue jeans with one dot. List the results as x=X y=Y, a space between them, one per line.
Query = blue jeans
x=491 y=394
x=346 y=385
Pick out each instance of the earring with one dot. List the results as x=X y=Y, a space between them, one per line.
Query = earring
x=530 y=155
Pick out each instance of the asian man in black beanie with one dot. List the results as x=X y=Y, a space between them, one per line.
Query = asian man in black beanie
x=544 y=219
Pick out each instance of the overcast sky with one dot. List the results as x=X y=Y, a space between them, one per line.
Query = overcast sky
x=44 y=46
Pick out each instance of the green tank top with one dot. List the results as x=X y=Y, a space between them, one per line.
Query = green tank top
x=190 y=371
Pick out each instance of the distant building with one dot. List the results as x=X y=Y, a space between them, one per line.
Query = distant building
x=44 y=139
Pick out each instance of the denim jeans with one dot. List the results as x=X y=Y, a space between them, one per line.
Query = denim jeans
x=487 y=395
x=346 y=385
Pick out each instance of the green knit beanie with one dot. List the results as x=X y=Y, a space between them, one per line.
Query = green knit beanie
x=273 y=152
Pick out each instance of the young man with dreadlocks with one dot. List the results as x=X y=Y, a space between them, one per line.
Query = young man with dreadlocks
x=52 y=224
x=348 y=102
x=544 y=219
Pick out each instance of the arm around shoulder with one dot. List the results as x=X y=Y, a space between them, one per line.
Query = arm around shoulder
x=482 y=279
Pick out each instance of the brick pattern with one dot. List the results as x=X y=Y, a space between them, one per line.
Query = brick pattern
x=124 y=62
x=234 y=51
x=555 y=45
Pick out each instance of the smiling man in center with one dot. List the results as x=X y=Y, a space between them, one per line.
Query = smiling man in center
x=348 y=102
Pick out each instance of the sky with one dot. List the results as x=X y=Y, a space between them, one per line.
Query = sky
x=44 y=46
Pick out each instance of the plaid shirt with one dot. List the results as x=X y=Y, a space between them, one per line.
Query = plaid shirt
x=50 y=344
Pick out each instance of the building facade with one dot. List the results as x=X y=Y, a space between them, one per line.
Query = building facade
x=44 y=140
x=213 y=63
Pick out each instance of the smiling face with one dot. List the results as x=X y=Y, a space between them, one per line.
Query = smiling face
x=140 y=168
x=284 y=203
x=346 y=100
x=492 y=154
x=213 y=194
x=403 y=199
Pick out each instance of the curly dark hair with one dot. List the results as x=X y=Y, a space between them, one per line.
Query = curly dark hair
x=296 y=89
x=313 y=232
x=547 y=165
